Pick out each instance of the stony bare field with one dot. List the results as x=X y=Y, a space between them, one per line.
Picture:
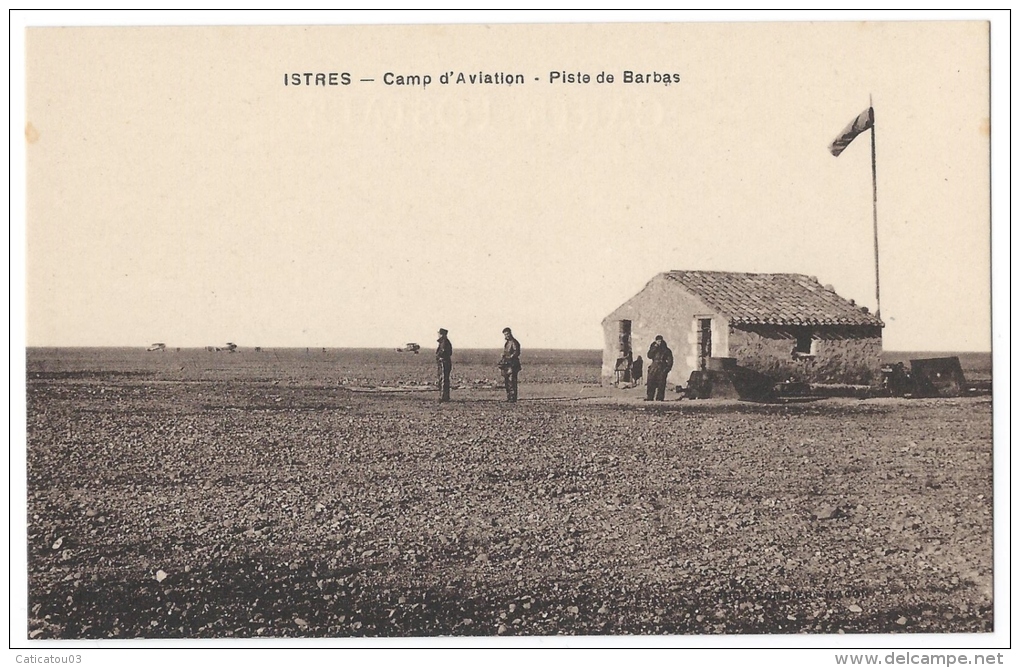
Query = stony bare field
x=196 y=494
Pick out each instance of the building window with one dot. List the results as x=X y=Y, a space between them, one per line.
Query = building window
x=805 y=345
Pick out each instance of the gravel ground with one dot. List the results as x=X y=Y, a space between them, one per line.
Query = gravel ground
x=163 y=506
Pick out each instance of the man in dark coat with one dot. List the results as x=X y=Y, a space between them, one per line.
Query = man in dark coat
x=661 y=362
x=510 y=364
x=444 y=364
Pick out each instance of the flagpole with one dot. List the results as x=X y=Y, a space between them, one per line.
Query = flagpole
x=874 y=208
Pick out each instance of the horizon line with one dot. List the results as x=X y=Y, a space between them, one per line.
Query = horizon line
x=393 y=348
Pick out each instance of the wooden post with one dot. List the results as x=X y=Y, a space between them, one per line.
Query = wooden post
x=874 y=208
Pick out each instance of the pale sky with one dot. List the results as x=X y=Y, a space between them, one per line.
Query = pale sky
x=179 y=192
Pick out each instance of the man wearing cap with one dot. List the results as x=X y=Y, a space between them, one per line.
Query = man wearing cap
x=661 y=361
x=444 y=364
x=510 y=364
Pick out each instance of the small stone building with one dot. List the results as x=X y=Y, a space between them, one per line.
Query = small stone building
x=787 y=326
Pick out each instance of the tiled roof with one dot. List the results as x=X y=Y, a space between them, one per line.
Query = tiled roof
x=772 y=299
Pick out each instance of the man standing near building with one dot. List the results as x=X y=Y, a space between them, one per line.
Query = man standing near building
x=510 y=364
x=444 y=364
x=661 y=361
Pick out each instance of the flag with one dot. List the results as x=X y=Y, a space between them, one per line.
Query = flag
x=864 y=121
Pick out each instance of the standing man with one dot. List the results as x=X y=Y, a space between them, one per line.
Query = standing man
x=510 y=364
x=444 y=364
x=661 y=362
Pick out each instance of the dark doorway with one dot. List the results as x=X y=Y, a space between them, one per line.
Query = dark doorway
x=626 y=357
x=625 y=349
x=704 y=342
